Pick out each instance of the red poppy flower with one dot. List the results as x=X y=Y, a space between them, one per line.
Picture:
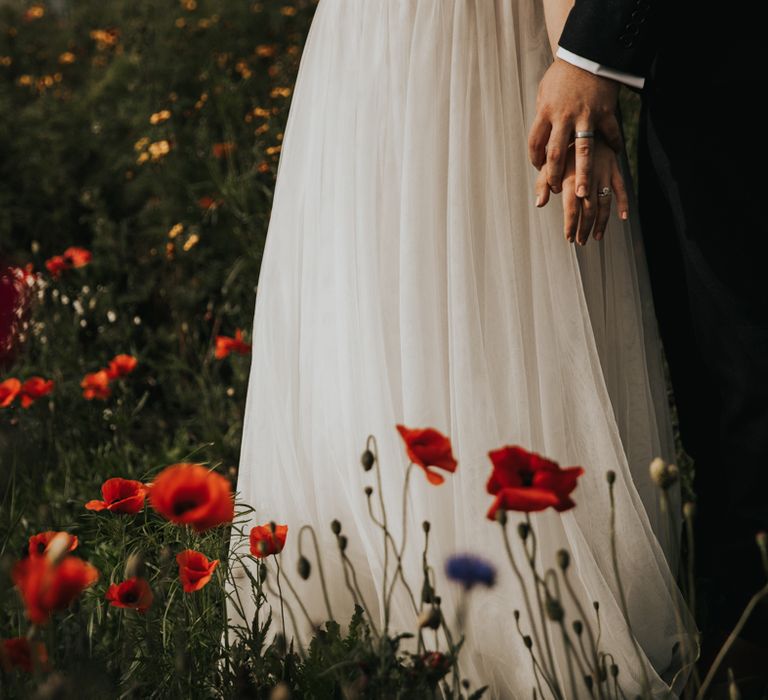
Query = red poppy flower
x=121 y=365
x=56 y=265
x=195 y=570
x=77 y=257
x=191 y=494
x=39 y=544
x=428 y=447
x=133 y=593
x=120 y=496
x=207 y=202
x=220 y=150
x=17 y=653
x=46 y=586
x=273 y=543
x=33 y=388
x=226 y=344
x=9 y=390
x=527 y=482
x=96 y=385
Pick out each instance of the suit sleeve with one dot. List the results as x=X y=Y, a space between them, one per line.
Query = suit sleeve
x=619 y=34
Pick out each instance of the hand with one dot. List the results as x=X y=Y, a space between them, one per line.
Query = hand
x=572 y=99
x=582 y=214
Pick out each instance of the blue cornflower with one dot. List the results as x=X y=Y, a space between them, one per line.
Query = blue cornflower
x=468 y=569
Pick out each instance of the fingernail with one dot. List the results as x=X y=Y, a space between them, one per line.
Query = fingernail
x=582 y=191
x=624 y=215
x=555 y=189
x=538 y=200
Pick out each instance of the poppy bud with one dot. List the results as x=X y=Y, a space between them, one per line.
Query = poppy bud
x=663 y=474
x=134 y=566
x=342 y=542
x=554 y=609
x=465 y=683
x=280 y=692
x=762 y=542
x=501 y=516
x=368 y=491
x=614 y=670
x=430 y=617
x=733 y=690
x=516 y=613
x=523 y=529
x=367 y=460
x=528 y=641
x=578 y=627
x=304 y=567
x=425 y=526
x=596 y=605
x=58 y=547
x=335 y=526
x=610 y=475
x=588 y=682
x=563 y=559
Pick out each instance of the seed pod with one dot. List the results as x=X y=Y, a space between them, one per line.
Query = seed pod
x=523 y=529
x=304 y=567
x=367 y=459
x=342 y=542
x=563 y=559
x=335 y=526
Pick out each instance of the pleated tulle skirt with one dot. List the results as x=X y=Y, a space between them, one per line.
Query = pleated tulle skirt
x=408 y=278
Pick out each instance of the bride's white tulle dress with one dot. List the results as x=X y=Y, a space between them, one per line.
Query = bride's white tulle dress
x=408 y=278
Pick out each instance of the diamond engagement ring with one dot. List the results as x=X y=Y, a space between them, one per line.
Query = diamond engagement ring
x=604 y=192
x=585 y=134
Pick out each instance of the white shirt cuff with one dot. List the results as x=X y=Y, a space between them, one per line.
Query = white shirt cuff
x=598 y=69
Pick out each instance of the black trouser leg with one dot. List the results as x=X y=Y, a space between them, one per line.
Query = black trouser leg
x=715 y=335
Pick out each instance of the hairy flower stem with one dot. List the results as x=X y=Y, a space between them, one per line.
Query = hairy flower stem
x=280 y=593
x=526 y=599
x=385 y=528
x=622 y=596
x=302 y=651
x=399 y=554
x=531 y=557
x=388 y=538
x=592 y=643
x=753 y=601
x=319 y=566
x=356 y=590
x=667 y=520
x=536 y=666
x=690 y=688
x=567 y=646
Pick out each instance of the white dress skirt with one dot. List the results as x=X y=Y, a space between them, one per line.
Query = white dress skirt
x=407 y=277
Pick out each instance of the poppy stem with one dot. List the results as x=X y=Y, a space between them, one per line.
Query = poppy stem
x=385 y=528
x=622 y=596
x=564 y=632
x=753 y=601
x=531 y=557
x=319 y=566
x=280 y=595
x=686 y=652
x=523 y=588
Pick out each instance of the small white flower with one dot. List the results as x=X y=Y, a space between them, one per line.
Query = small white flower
x=111 y=316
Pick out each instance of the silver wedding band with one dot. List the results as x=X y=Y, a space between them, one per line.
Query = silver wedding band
x=604 y=192
x=585 y=134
